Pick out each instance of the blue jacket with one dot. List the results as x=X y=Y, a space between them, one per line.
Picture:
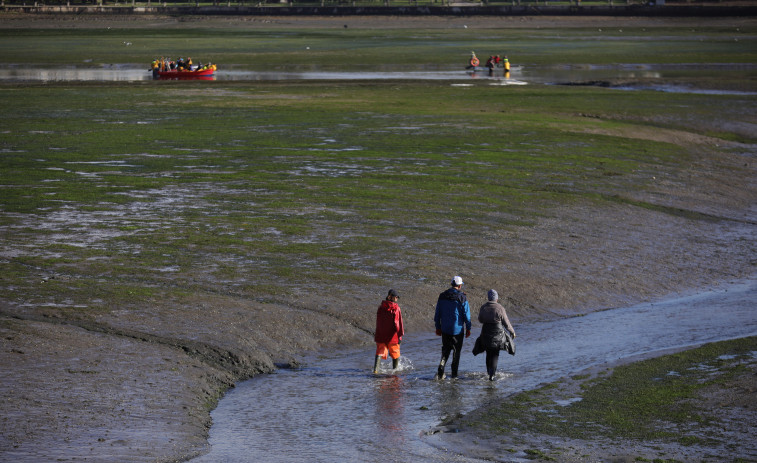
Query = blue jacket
x=452 y=312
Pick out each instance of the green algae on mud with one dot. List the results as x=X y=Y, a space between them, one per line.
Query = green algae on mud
x=241 y=224
x=255 y=46
x=649 y=407
x=255 y=179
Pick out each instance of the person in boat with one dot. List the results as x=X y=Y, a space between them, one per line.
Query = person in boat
x=453 y=323
x=492 y=339
x=389 y=331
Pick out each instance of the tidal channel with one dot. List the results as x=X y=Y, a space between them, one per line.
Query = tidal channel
x=656 y=75
x=334 y=409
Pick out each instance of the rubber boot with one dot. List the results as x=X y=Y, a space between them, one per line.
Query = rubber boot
x=376 y=364
x=395 y=363
x=440 y=370
x=453 y=367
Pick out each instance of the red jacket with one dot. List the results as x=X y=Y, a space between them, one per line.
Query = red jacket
x=389 y=329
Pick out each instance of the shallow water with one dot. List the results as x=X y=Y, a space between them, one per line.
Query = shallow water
x=334 y=409
x=519 y=75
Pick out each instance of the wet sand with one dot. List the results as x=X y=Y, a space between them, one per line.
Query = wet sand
x=111 y=390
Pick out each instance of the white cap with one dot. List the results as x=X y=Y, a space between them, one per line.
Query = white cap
x=457 y=281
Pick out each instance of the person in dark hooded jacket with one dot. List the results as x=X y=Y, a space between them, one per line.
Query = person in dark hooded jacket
x=389 y=330
x=452 y=320
x=494 y=318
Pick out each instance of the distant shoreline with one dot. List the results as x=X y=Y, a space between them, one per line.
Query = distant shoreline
x=277 y=17
x=452 y=10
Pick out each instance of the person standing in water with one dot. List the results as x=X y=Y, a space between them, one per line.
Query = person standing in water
x=494 y=318
x=473 y=61
x=389 y=331
x=452 y=320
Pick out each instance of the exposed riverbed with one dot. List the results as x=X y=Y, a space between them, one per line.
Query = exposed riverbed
x=334 y=409
x=154 y=254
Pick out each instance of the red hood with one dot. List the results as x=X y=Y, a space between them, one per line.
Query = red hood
x=392 y=307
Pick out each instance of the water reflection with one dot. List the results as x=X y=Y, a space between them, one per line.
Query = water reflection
x=185 y=78
x=452 y=401
x=335 y=409
x=72 y=74
x=519 y=75
x=389 y=402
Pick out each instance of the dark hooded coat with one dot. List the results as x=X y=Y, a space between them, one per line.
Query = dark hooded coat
x=495 y=331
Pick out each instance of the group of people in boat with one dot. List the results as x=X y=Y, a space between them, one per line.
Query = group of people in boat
x=491 y=63
x=181 y=64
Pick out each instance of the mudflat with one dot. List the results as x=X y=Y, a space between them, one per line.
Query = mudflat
x=696 y=405
x=136 y=381
x=20 y=20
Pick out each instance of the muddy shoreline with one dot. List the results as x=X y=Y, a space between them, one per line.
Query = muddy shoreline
x=109 y=391
x=132 y=386
x=730 y=404
x=349 y=11
x=12 y=19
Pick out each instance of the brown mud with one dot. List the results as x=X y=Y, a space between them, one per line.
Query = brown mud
x=731 y=407
x=94 y=21
x=139 y=385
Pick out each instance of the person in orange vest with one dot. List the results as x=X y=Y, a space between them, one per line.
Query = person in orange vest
x=473 y=60
x=389 y=331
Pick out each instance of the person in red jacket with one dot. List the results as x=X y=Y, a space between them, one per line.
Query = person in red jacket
x=389 y=330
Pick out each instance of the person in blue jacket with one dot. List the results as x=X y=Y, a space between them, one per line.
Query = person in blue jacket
x=453 y=323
